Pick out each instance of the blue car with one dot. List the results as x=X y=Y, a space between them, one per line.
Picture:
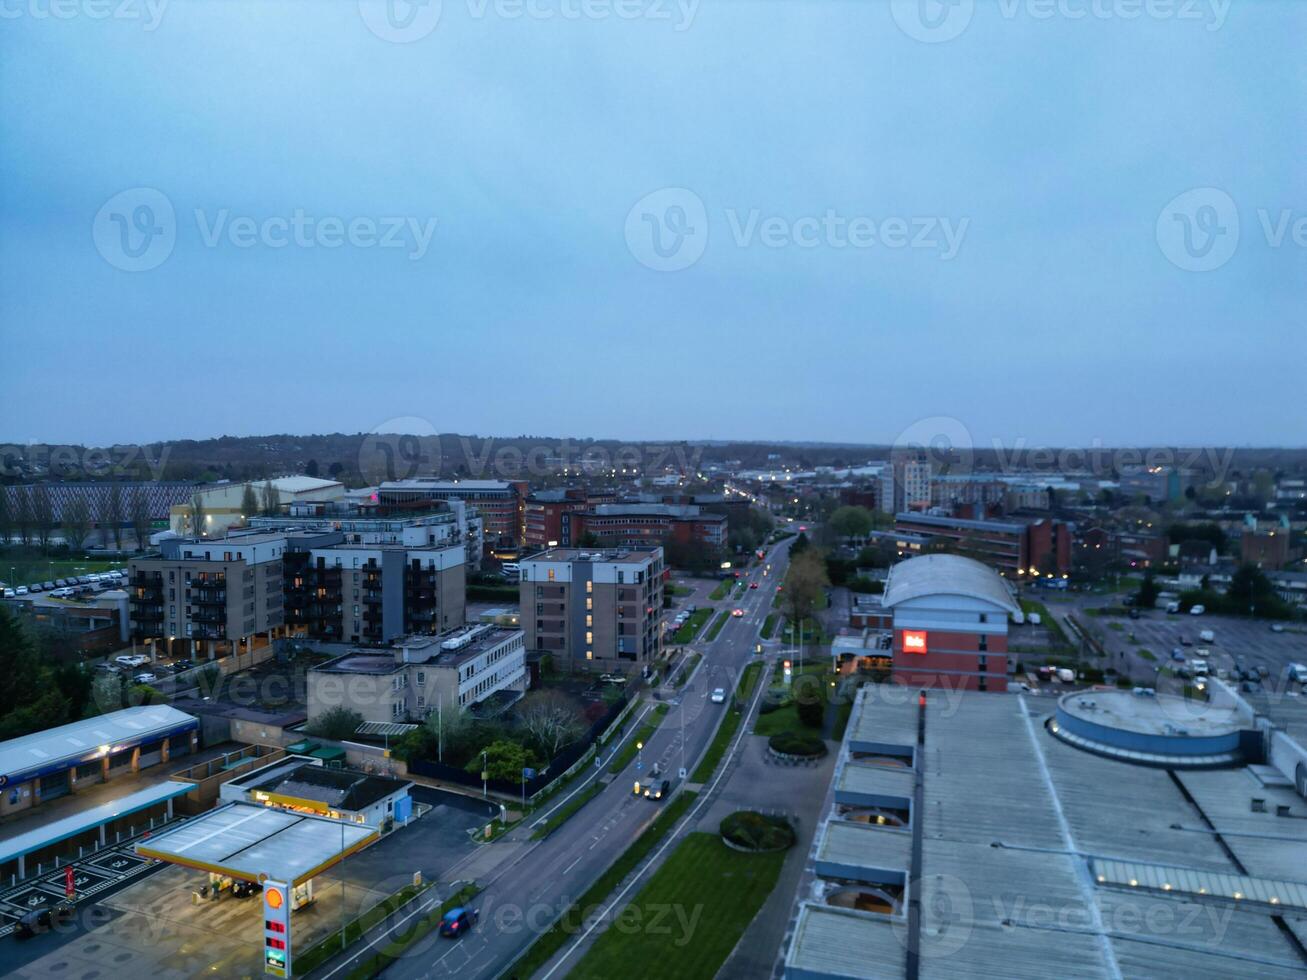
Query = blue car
x=457 y=921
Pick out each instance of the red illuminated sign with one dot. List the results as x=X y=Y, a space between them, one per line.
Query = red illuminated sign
x=914 y=641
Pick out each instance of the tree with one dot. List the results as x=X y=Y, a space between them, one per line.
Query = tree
x=42 y=514
x=800 y=545
x=852 y=522
x=1146 y=597
x=6 y=517
x=30 y=698
x=311 y=468
x=504 y=760
x=336 y=723
x=138 y=513
x=76 y=522
x=23 y=514
x=249 y=503
x=111 y=514
x=550 y=720
x=805 y=581
x=271 y=500
x=195 y=514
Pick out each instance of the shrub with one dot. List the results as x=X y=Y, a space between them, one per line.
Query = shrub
x=812 y=712
x=335 y=723
x=757 y=831
x=797 y=743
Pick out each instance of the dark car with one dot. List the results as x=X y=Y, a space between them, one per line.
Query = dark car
x=658 y=791
x=180 y=665
x=455 y=922
x=42 y=920
x=1134 y=613
x=1186 y=642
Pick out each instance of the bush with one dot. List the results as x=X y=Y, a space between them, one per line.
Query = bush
x=335 y=723
x=756 y=831
x=812 y=712
x=797 y=743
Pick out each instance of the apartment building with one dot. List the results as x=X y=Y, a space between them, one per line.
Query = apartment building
x=499 y=502
x=904 y=485
x=423 y=675
x=214 y=596
x=1013 y=547
x=594 y=609
x=374 y=593
x=543 y=514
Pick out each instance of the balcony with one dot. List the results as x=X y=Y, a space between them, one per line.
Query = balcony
x=212 y=616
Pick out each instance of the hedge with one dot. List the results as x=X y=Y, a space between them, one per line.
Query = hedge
x=755 y=831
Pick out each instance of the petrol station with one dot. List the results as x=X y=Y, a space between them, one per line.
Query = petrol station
x=276 y=850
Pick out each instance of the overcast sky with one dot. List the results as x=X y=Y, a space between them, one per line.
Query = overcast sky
x=652 y=219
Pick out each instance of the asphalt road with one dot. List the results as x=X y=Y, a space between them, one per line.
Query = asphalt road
x=526 y=897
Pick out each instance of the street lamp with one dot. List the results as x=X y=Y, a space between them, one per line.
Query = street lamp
x=639 y=759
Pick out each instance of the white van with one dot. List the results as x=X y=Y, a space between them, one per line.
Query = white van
x=1207 y=636
x=1199 y=667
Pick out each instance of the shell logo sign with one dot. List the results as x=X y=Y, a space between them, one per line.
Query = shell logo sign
x=914 y=641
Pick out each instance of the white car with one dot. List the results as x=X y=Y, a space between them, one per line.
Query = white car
x=1197 y=610
x=131 y=660
x=21 y=590
x=719 y=695
x=144 y=678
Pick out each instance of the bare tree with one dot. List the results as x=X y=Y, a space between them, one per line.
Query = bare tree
x=111 y=514
x=195 y=513
x=23 y=517
x=271 y=500
x=249 y=503
x=42 y=514
x=551 y=720
x=76 y=522
x=138 y=513
x=6 y=517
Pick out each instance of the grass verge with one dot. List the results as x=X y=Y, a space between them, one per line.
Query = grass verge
x=623 y=758
x=387 y=954
x=723 y=888
x=569 y=923
x=561 y=815
x=717 y=625
x=319 y=953
x=690 y=628
x=768 y=626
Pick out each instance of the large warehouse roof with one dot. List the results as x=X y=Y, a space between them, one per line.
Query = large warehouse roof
x=55 y=748
x=245 y=841
x=946 y=575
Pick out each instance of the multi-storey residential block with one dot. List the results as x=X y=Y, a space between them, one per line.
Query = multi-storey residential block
x=422 y=675
x=594 y=609
x=215 y=596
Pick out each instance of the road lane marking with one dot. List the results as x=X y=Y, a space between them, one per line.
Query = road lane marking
x=571 y=866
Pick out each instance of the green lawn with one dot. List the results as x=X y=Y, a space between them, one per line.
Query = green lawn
x=570 y=922
x=673 y=589
x=768 y=626
x=691 y=628
x=1146 y=653
x=716 y=627
x=730 y=724
x=723 y=589
x=623 y=758
x=702 y=878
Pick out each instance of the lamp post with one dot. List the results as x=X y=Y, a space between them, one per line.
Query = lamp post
x=485 y=777
x=639 y=755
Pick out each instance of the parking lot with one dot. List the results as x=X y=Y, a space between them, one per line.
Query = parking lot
x=1251 y=640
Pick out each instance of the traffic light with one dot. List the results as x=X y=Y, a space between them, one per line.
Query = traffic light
x=276 y=929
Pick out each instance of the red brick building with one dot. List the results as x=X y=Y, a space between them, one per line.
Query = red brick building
x=950 y=623
x=1013 y=547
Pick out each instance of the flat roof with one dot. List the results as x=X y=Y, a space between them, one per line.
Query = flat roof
x=929 y=575
x=633 y=554
x=855 y=777
x=1158 y=714
x=45 y=752
x=90 y=818
x=244 y=841
x=863 y=845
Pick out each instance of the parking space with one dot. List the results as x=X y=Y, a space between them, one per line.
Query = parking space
x=92 y=876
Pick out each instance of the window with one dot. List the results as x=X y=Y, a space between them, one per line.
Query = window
x=422 y=678
x=984 y=641
x=550 y=576
x=589 y=603
x=589 y=587
x=589 y=637
x=589 y=620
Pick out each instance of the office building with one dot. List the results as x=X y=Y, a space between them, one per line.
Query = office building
x=499 y=502
x=223 y=504
x=646 y=525
x=950 y=617
x=594 y=610
x=1015 y=547
x=423 y=675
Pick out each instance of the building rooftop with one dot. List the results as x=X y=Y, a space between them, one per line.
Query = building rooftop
x=447 y=649
x=930 y=575
x=1160 y=714
x=431 y=483
x=245 y=841
x=1040 y=860
x=337 y=789
x=57 y=748
x=595 y=554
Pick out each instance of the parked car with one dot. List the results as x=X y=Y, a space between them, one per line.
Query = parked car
x=36 y=587
x=1207 y=636
x=107 y=668
x=1186 y=642
x=42 y=920
x=1134 y=613
x=145 y=677
x=612 y=678
x=10 y=594
x=183 y=664
x=1277 y=627
x=21 y=590
x=658 y=791
x=1197 y=610
x=61 y=582
x=1178 y=655
x=131 y=659
x=456 y=922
